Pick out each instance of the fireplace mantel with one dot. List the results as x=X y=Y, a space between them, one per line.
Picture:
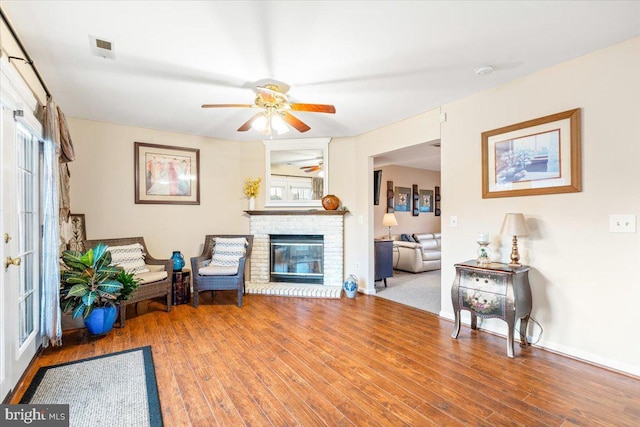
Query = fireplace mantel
x=329 y=224
x=297 y=212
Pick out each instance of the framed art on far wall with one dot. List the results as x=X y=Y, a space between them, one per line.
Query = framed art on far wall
x=402 y=199
x=539 y=156
x=415 y=200
x=166 y=174
x=426 y=201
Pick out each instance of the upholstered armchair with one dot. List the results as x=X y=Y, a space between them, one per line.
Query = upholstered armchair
x=221 y=265
x=155 y=274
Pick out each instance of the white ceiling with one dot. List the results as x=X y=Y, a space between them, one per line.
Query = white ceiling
x=378 y=62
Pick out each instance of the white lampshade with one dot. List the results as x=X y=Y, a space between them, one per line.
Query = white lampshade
x=514 y=225
x=389 y=220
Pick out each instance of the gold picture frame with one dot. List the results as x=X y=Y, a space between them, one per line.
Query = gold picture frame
x=166 y=174
x=539 y=156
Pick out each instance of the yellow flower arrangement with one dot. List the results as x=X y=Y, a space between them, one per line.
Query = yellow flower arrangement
x=251 y=187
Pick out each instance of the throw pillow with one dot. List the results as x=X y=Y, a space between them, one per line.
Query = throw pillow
x=415 y=238
x=227 y=251
x=406 y=238
x=129 y=257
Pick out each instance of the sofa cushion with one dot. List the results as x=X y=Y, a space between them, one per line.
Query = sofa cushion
x=423 y=236
x=227 y=251
x=129 y=257
x=431 y=255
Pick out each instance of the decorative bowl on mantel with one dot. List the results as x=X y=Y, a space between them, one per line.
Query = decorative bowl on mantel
x=330 y=202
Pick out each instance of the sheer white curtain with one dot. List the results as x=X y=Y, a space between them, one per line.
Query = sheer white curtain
x=50 y=316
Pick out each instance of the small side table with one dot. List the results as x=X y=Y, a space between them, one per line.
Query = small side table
x=383 y=260
x=495 y=290
x=181 y=286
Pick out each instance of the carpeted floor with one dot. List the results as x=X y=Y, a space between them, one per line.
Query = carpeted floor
x=115 y=390
x=420 y=290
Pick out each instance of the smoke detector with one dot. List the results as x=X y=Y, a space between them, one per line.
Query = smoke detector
x=102 y=47
x=484 y=70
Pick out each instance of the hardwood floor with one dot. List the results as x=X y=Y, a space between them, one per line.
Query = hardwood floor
x=364 y=361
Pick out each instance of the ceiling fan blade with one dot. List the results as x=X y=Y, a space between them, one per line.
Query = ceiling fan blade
x=227 y=105
x=315 y=108
x=309 y=169
x=247 y=125
x=295 y=122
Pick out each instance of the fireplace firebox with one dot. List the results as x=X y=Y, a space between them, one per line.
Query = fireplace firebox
x=297 y=258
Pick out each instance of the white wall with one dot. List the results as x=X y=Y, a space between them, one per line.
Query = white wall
x=102 y=187
x=583 y=278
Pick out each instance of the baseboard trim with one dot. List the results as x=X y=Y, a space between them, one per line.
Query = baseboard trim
x=570 y=352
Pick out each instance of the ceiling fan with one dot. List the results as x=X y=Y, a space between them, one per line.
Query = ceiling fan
x=275 y=112
x=312 y=168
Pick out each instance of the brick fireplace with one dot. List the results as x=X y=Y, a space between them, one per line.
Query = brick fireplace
x=328 y=224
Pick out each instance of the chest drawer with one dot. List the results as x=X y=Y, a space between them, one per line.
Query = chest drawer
x=484 y=293
x=484 y=282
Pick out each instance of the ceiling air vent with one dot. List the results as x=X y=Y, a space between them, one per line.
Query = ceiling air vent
x=102 y=47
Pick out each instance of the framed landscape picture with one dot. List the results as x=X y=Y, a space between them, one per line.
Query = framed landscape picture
x=540 y=156
x=166 y=174
x=402 y=199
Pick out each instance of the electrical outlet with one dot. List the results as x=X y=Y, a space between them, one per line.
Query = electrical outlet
x=622 y=223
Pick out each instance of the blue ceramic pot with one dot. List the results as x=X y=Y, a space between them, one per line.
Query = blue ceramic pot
x=178 y=260
x=351 y=286
x=101 y=320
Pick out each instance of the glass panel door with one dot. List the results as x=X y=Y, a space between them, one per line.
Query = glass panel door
x=27 y=180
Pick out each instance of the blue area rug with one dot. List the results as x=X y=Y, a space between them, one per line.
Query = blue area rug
x=115 y=389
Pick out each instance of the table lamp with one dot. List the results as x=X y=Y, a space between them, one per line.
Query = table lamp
x=389 y=220
x=514 y=225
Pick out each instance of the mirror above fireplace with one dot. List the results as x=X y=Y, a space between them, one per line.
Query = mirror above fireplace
x=296 y=172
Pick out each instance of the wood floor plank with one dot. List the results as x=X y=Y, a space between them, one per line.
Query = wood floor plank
x=281 y=361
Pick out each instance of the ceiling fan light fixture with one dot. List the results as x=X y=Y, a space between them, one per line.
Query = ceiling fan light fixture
x=278 y=124
x=261 y=124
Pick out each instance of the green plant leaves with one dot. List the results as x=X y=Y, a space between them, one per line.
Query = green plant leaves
x=78 y=290
x=88 y=280
x=77 y=311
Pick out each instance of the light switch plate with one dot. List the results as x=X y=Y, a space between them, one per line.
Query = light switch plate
x=622 y=223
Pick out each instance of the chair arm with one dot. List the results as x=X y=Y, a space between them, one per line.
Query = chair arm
x=197 y=262
x=166 y=263
x=241 y=264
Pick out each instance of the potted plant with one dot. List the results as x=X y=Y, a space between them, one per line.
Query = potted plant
x=91 y=287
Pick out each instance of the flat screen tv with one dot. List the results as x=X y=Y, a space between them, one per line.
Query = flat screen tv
x=377 y=182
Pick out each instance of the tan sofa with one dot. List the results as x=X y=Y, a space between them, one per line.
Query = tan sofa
x=417 y=257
